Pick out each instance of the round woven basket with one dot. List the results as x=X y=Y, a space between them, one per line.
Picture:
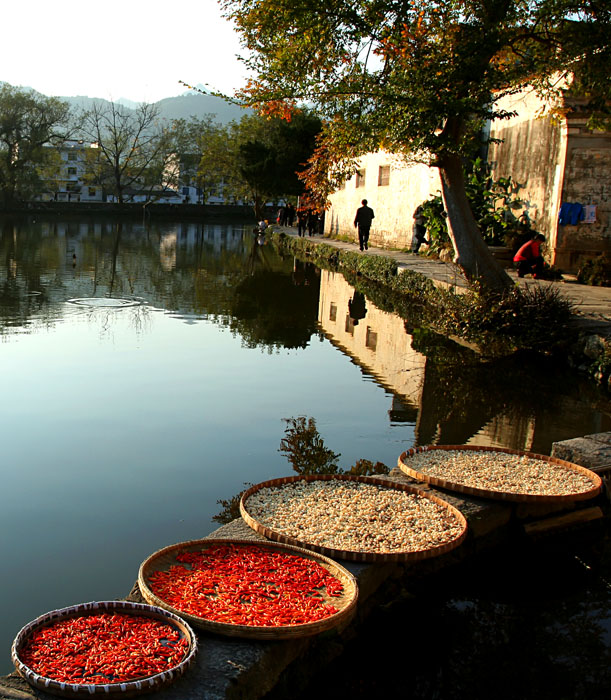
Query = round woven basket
x=166 y=558
x=126 y=689
x=361 y=556
x=404 y=465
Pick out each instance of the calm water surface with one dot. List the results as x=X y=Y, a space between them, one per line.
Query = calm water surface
x=145 y=374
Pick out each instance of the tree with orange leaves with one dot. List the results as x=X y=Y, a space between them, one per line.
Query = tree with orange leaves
x=419 y=78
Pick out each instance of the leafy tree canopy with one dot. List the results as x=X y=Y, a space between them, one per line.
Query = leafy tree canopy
x=419 y=78
x=29 y=122
x=267 y=152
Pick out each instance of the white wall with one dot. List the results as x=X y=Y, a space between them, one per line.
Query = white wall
x=393 y=204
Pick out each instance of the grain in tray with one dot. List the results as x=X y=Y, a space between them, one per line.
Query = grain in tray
x=354 y=516
x=499 y=471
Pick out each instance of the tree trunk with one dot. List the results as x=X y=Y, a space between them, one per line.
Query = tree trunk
x=472 y=254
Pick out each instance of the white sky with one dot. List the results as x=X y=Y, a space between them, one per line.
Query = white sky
x=137 y=49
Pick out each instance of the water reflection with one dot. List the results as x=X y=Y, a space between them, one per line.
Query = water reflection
x=445 y=388
x=187 y=269
x=123 y=427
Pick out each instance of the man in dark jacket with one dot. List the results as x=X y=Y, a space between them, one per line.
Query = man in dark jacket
x=364 y=217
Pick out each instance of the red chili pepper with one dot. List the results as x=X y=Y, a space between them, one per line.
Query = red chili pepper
x=103 y=648
x=248 y=585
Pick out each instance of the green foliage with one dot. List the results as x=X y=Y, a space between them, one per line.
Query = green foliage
x=201 y=148
x=365 y=467
x=493 y=203
x=265 y=154
x=596 y=272
x=29 y=123
x=524 y=318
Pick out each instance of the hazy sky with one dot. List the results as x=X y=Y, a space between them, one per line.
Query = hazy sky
x=137 y=49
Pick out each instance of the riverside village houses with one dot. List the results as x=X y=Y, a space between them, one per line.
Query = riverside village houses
x=563 y=169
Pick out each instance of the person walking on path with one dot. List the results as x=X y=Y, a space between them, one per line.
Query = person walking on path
x=419 y=229
x=528 y=259
x=364 y=217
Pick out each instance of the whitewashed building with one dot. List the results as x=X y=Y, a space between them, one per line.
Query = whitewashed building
x=392 y=189
x=553 y=157
x=70 y=185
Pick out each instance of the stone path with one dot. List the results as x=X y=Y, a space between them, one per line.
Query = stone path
x=592 y=304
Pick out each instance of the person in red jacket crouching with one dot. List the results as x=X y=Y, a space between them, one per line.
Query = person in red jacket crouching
x=528 y=259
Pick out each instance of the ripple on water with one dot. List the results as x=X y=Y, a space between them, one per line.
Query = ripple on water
x=104 y=303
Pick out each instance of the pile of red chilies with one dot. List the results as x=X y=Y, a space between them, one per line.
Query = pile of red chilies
x=104 y=648
x=247 y=585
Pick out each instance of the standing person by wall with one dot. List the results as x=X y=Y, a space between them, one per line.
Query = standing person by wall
x=362 y=220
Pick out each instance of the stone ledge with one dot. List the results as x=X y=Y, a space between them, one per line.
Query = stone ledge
x=232 y=669
x=590 y=451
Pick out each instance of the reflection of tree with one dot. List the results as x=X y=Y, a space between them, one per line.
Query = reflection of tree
x=123 y=259
x=307 y=453
x=461 y=394
x=304 y=448
x=230 y=508
x=269 y=310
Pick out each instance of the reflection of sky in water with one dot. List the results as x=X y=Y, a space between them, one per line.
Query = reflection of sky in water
x=122 y=428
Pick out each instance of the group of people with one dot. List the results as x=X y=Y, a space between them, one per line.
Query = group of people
x=286 y=215
x=308 y=220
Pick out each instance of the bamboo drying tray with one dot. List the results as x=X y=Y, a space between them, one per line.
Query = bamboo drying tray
x=360 y=556
x=404 y=465
x=165 y=558
x=123 y=689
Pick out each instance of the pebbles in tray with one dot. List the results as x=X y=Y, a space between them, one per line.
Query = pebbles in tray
x=500 y=471
x=354 y=516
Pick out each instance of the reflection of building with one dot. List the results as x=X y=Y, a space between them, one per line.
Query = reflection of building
x=455 y=399
x=378 y=342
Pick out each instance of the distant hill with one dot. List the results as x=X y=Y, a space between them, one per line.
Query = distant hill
x=198 y=105
x=180 y=107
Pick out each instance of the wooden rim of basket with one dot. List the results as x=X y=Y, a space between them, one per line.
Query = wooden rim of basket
x=162 y=559
x=501 y=495
x=365 y=557
x=124 y=689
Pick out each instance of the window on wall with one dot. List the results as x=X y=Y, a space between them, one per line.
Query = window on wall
x=332 y=312
x=72 y=155
x=371 y=339
x=360 y=178
x=349 y=327
x=383 y=175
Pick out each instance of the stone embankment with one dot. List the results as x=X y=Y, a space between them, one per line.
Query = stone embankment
x=230 y=668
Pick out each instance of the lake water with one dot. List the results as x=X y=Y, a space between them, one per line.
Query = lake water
x=145 y=373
